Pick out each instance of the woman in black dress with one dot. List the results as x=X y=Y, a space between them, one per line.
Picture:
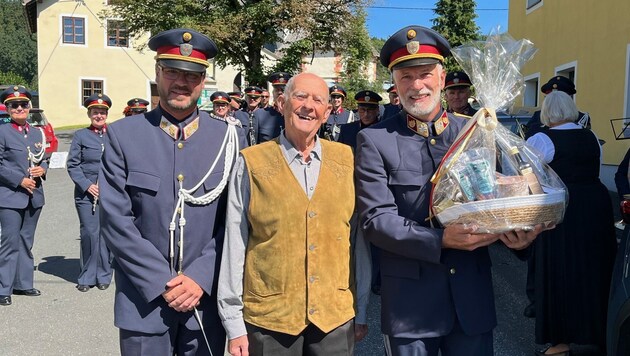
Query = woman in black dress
x=573 y=262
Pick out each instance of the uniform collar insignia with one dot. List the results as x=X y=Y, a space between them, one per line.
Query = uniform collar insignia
x=100 y=131
x=169 y=128
x=441 y=124
x=422 y=128
x=20 y=128
x=191 y=128
x=419 y=127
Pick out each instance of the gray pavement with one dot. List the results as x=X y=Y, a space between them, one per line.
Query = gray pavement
x=64 y=321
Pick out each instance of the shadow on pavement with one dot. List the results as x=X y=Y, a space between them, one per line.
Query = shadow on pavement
x=60 y=266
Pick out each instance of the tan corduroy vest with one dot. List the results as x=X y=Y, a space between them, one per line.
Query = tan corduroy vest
x=298 y=262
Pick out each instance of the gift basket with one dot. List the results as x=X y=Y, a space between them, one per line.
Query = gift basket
x=489 y=177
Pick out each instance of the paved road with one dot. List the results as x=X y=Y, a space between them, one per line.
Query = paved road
x=64 y=321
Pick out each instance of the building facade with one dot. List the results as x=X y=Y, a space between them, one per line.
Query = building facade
x=79 y=53
x=589 y=42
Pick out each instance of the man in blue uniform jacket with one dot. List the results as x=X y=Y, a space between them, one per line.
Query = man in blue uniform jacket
x=367 y=108
x=436 y=284
x=269 y=121
x=163 y=207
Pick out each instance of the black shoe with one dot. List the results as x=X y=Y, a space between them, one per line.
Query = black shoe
x=102 y=286
x=83 y=288
x=5 y=300
x=28 y=292
x=530 y=311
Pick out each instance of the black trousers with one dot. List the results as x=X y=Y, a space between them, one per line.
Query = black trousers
x=310 y=342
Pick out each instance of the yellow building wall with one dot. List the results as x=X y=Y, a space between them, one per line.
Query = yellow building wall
x=126 y=73
x=595 y=35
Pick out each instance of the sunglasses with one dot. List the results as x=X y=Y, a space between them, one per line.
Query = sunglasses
x=265 y=96
x=23 y=104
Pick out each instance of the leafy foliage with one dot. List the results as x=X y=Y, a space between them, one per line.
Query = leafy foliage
x=357 y=56
x=18 y=49
x=456 y=22
x=241 y=28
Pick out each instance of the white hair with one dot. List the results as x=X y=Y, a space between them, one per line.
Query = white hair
x=558 y=107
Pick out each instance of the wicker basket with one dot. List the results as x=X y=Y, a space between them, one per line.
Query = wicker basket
x=505 y=214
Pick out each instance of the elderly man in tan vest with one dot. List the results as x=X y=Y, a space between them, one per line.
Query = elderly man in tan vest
x=293 y=278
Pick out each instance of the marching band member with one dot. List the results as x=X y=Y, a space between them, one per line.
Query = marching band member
x=84 y=161
x=22 y=169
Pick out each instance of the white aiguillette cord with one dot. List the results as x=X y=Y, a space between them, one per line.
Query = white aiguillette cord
x=35 y=158
x=231 y=147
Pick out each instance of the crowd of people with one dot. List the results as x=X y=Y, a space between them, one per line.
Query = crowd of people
x=267 y=221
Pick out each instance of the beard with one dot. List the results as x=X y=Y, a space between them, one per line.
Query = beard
x=420 y=109
x=177 y=104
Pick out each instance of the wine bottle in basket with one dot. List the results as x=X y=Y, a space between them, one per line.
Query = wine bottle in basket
x=526 y=170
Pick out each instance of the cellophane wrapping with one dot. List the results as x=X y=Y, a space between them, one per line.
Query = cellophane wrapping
x=490 y=177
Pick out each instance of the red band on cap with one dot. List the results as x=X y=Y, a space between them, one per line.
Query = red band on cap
x=430 y=51
x=20 y=96
x=103 y=103
x=459 y=83
x=175 y=51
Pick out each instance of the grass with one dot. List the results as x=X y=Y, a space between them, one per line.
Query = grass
x=70 y=127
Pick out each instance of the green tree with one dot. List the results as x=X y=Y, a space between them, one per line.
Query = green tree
x=241 y=28
x=456 y=22
x=18 y=49
x=356 y=58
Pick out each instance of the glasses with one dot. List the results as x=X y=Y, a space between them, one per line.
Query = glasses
x=265 y=96
x=174 y=74
x=250 y=97
x=23 y=104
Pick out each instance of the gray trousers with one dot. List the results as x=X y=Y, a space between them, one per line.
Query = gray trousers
x=95 y=258
x=16 y=242
x=310 y=342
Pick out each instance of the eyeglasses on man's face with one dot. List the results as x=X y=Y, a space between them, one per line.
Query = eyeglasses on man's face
x=17 y=104
x=174 y=74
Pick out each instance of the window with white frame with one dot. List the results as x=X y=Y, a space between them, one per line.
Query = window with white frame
x=89 y=87
x=73 y=30
x=530 y=94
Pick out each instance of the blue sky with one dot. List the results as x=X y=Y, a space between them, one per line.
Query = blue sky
x=388 y=16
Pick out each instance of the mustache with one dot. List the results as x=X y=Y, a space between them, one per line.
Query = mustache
x=180 y=87
x=419 y=92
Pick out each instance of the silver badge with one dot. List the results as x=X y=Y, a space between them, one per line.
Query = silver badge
x=185 y=49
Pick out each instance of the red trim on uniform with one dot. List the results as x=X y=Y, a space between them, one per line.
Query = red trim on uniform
x=221 y=99
x=20 y=97
x=401 y=52
x=96 y=103
x=174 y=50
x=363 y=101
x=461 y=82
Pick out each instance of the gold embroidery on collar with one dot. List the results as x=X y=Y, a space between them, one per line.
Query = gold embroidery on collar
x=169 y=128
x=191 y=128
